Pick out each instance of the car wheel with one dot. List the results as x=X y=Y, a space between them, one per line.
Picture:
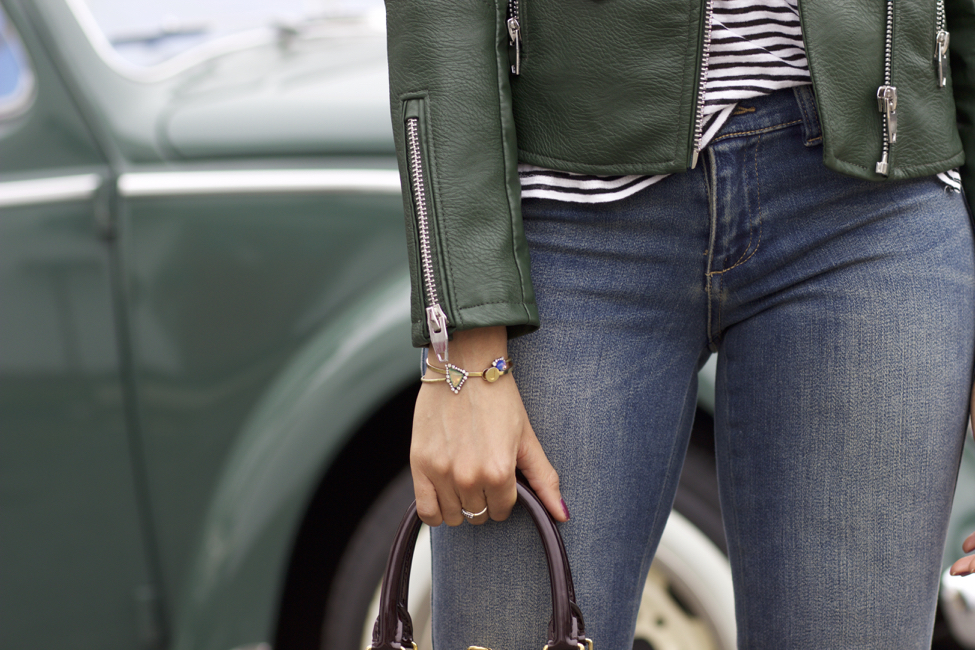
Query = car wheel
x=687 y=600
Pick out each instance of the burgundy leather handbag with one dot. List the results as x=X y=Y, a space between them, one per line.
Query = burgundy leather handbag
x=394 y=627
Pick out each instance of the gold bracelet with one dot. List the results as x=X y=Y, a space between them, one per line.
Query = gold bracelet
x=455 y=377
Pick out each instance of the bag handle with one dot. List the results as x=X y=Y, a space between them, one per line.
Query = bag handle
x=394 y=627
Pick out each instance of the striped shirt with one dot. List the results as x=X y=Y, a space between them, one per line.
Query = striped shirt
x=756 y=48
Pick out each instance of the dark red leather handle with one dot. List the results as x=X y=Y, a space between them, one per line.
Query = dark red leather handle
x=394 y=627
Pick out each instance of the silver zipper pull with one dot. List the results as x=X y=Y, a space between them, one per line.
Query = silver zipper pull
x=887 y=104
x=514 y=34
x=882 y=165
x=942 y=53
x=437 y=324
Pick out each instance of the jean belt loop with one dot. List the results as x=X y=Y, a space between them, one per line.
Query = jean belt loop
x=812 y=132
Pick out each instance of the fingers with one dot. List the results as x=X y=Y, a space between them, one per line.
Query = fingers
x=541 y=476
x=488 y=491
x=501 y=495
x=471 y=496
x=964 y=566
x=450 y=504
x=438 y=504
x=427 y=505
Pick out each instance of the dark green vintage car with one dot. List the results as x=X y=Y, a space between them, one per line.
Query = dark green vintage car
x=206 y=380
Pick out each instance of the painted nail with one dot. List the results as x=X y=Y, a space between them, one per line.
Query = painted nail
x=565 y=509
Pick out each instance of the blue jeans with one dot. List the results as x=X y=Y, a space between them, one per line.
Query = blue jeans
x=844 y=314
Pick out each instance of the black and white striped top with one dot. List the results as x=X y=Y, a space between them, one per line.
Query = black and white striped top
x=756 y=48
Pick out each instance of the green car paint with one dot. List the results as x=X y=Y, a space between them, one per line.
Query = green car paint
x=314 y=403
x=188 y=317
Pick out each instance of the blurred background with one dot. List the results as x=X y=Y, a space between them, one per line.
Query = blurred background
x=147 y=33
x=206 y=377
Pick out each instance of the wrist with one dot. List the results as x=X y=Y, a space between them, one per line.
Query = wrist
x=476 y=348
x=479 y=353
x=456 y=377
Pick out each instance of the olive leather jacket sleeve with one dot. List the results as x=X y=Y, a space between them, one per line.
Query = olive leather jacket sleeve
x=455 y=141
x=961 y=26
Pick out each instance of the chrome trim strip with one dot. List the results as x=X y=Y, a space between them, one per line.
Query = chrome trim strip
x=49 y=190
x=260 y=181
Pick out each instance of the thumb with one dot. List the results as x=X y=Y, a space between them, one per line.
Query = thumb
x=541 y=475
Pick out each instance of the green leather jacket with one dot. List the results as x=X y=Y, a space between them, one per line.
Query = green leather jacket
x=611 y=87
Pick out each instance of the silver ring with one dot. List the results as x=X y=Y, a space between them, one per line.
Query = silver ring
x=471 y=515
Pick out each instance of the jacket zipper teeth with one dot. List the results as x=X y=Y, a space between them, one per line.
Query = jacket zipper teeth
x=941 y=45
x=702 y=86
x=887 y=97
x=514 y=34
x=436 y=318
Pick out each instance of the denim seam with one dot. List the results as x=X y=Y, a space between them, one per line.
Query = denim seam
x=732 y=523
x=758 y=187
x=767 y=129
x=719 y=304
x=709 y=277
x=810 y=117
x=678 y=450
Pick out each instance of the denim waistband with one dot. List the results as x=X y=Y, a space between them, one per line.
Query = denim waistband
x=782 y=108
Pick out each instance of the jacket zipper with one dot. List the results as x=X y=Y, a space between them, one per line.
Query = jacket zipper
x=887 y=97
x=514 y=35
x=436 y=318
x=941 y=45
x=702 y=85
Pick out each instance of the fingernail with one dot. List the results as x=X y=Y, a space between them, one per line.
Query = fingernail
x=565 y=509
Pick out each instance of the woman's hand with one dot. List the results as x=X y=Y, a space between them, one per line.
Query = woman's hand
x=966 y=565
x=466 y=446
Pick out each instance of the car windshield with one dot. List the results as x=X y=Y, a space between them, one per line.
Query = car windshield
x=149 y=32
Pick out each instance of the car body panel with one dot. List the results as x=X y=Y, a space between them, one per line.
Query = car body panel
x=323 y=96
x=75 y=569
x=278 y=460
x=222 y=292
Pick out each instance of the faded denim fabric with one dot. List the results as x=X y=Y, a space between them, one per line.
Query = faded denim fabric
x=844 y=314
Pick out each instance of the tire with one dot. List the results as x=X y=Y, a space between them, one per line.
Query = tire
x=687 y=601
x=362 y=565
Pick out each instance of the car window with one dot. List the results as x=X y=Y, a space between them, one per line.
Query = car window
x=149 y=32
x=16 y=77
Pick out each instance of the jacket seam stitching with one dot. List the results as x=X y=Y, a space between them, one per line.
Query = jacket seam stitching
x=504 y=163
x=497 y=302
x=576 y=162
x=441 y=232
x=694 y=86
x=906 y=168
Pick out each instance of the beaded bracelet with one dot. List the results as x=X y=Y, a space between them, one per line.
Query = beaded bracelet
x=455 y=377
